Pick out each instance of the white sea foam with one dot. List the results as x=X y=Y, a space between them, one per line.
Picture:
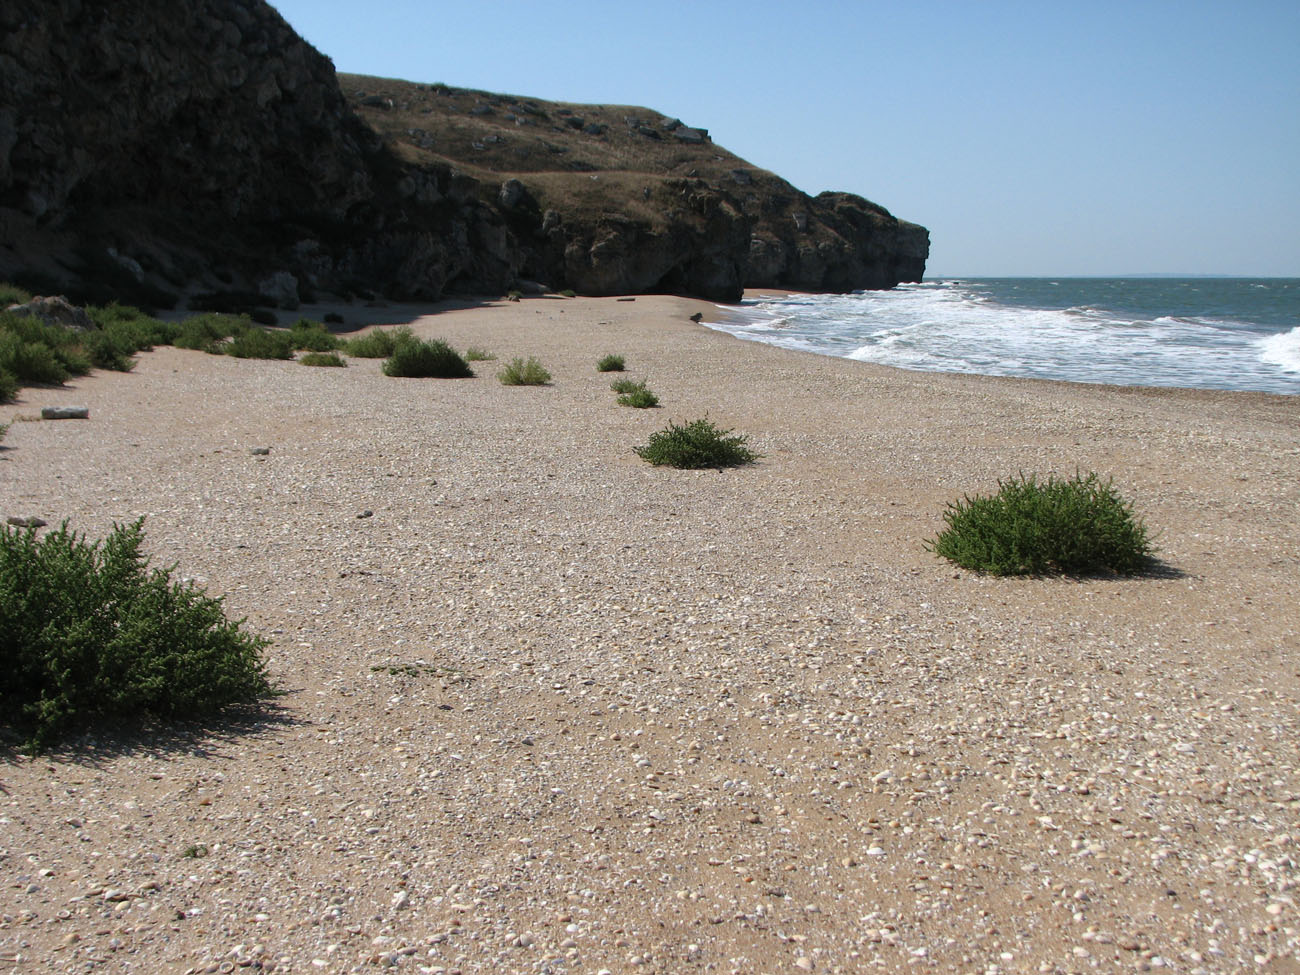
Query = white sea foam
x=948 y=326
x=1282 y=350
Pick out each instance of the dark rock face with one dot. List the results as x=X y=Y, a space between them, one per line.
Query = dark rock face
x=832 y=242
x=209 y=146
x=156 y=149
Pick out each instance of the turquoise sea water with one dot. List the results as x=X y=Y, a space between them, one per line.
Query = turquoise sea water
x=1202 y=333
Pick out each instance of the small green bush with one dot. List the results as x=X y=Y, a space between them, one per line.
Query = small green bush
x=420 y=359
x=130 y=328
x=610 y=363
x=312 y=336
x=11 y=294
x=475 y=354
x=259 y=343
x=322 y=359
x=378 y=344
x=89 y=634
x=635 y=394
x=206 y=332
x=8 y=386
x=521 y=372
x=641 y=399
x=696 y=445
x=41 y=353
x=109 y=351
x=30 y=362
x=569 y=293
x=1031 y=527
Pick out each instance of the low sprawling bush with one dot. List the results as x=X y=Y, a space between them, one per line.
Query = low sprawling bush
x=420 y=359
x=30 y=362
x=475 y=354
x=107 y=350
x=322 y=359
x=90 y=635
x=378 y=344
x=131 y=329
x=34 y=352
x=11 y=294
x=312 y=336
x=637 y=395
x=207 y=332
x=259 y=343
x=1030 y=527
x=610 y=363
x=696 y=445
x=524 y=372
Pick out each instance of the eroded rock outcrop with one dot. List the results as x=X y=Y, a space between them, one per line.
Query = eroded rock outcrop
x=155 y=150
x=152 y=146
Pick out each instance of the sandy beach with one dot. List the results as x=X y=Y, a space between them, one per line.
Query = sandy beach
x=550 y=709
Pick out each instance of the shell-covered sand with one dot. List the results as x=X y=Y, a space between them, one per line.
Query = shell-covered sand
x=550 y=709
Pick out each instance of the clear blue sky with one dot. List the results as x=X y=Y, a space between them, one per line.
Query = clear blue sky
x=1035 y=138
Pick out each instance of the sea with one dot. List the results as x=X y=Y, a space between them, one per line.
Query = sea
x=1199 y=333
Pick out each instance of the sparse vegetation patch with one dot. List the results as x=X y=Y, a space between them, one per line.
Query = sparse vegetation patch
x=637 y=395
x=611 y=363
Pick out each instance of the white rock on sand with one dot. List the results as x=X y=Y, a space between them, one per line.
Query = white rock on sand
x=551 y=709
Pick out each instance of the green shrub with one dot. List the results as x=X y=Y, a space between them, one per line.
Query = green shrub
x=105 y=315
x=29 y=362
x=206 y=332
x=131 y=328
x=8 y=386
x=89 y=634
x=637 y=395
x=312 y=336
x=475 y=354
x=109 y=351
x=696 y=445
x=34 y=345
x=322 y=359
x=625 y=385
x=610 y=363
x=378 y=344
x=520 y=372
x=259 y=343
x=569 y=293
x=420 y=359
x=1031 y=527
x=11 y=294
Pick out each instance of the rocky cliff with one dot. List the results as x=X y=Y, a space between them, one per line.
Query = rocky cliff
x=174 y=150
